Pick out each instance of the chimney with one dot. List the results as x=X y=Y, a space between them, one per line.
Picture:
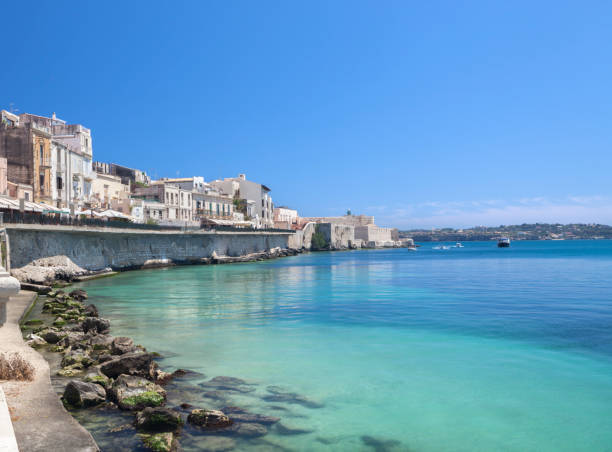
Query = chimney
x=242 y=176
x=53 y=116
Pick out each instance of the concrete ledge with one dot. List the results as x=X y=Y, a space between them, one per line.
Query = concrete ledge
x=40 y=421
x=8 y=442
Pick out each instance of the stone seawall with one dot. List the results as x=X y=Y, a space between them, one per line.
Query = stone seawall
x=120 y=249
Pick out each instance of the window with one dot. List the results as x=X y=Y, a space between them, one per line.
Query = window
x=60 y=183
x=217 y=208
x=42 y=152
x=42 y=182
x=26 y=196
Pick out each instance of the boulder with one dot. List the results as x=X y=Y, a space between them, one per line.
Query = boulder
x=158 y=419
x=81 y=394
x=51 y=335
x=76 y=357
x=35 y=340
x=97 y=377
x=136 y=393
x=248 y=430
x=101 y=342
x=91 y=311
x=228 y=384
x=277 y=394
x=74 y=339
x=290 y=431
x=211 y=419
x=122 y=345
x=79 y=294
x=237 y=414
x=158 y=442
x=138 y=363
x=96 y=325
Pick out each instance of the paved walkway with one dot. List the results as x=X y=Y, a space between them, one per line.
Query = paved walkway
x=40 y=421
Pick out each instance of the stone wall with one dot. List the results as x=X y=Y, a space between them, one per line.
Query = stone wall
x=94 y=250
x=339 y=236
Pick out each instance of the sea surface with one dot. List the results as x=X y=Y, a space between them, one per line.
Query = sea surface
x=463 y=349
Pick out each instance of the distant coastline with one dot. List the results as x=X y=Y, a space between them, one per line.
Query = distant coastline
x=536 y=231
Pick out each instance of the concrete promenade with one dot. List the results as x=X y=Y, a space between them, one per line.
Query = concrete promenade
x=40 y=421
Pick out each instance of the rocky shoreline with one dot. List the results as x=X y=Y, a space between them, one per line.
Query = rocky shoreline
x=42 y=274
x=96 y=372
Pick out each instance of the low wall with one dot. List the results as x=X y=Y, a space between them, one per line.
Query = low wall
x=96 y=249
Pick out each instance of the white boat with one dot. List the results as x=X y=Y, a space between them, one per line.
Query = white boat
x=459 y=245
x=503 y=242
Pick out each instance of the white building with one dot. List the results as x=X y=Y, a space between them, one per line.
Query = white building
x=258 y=202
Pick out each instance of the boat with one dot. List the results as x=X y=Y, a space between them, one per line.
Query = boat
x=459 y=245
x=503 y=242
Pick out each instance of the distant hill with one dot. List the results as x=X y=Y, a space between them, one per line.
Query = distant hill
x=537 y=231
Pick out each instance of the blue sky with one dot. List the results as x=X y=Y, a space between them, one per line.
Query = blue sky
x=421 y=113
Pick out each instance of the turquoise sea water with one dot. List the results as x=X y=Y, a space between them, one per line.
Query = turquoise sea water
x=466 y=349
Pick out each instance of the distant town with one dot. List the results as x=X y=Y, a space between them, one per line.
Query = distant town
x=536 y=231
x=48 y=174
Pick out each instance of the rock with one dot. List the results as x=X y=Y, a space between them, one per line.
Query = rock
x=186 y=374
x=73 y=339
x=96 y=325
x=137 y=363
x=158 y=419
x=161 y=377
x=248 y=430
x=122 y=345
x=69 y=372
x=47 y=270
x=228 y=384
x=77 y=357
x=101 y=342
x=136 y=393
x=237 y=414
x=186 y=406
x=35 y=340
x=289 y=431
x=381 y=445
x=158 y=442
x=81 y=394
x=279 y=395
x=104 y=358
x=215 y=395
x=97 y=377
x=52 y=336
x=79 y=294
x=91 y=311
x=211 y=419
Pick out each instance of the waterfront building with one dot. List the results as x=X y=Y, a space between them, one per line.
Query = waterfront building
x=131 y=176
x=285 y=218
x=50 y=155
x=256 y=202
x=207 y=201
x=109 y=192
x=27 y=149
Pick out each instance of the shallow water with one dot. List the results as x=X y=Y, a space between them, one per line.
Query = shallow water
x=465 y=349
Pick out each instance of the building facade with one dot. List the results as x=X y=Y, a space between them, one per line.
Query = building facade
x=257 y=203
x=109 y=191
